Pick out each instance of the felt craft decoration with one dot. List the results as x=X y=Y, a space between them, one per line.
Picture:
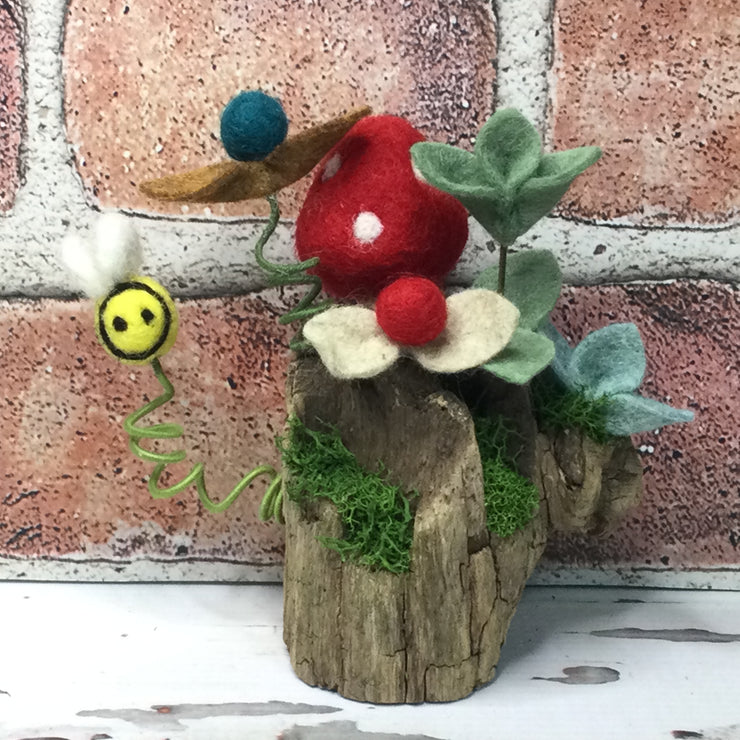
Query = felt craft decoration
x=136 y=319
x=228 y=181
x=411 y=311
x=610 y=363
x=533 y=284
x=137 y=322
x=370 y=220
x=507 y=183
x=252 y=125
x=352 y=343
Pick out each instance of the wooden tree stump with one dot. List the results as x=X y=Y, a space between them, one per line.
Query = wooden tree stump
x=434 y=633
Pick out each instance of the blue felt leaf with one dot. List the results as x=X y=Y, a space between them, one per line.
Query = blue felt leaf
x=629 y=413
x=608 y=361
x=526 y=355
x=560 y=364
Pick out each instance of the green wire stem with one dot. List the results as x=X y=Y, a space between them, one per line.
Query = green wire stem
x=272 y=502
x=279 y=276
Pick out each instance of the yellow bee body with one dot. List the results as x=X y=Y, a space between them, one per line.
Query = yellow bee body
x=137 y=321
x=135 y=317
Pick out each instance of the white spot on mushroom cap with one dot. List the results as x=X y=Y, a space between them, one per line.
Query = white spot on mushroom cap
x=332 y=167
x=367 y=227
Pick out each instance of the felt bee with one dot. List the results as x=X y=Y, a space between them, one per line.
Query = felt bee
x=136 y=319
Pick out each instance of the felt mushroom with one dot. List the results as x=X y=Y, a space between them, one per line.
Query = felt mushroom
x=370 y=220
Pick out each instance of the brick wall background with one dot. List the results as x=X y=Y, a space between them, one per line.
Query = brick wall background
x=97 y=96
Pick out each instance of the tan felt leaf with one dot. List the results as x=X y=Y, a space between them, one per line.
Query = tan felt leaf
x=229 y=180
x=350 y=342
x=480 y=323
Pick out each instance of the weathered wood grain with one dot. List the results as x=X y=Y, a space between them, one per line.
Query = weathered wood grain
x=434 y=633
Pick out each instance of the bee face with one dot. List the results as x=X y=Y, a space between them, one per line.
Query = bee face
x=137 y=321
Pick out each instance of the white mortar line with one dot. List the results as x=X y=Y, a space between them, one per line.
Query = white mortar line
x=523 y=57
x=200 y=257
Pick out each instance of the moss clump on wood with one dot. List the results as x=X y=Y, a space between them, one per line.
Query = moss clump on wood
x=377 y=518
x=558 y=408
x=511 y=500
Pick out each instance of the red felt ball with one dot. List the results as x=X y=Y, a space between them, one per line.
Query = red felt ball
x=411 y=311
x=369 y=219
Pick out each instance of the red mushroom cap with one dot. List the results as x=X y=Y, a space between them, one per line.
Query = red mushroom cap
x=370 y=220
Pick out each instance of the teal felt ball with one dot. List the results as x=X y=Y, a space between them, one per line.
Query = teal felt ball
x=252 y=125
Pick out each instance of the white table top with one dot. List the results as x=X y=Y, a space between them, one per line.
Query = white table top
x=95 y=661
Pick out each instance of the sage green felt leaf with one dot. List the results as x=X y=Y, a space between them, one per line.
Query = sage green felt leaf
x=628 y=413
x=509 y=147
x=507 y=184
x=527 y=354
x=533 y=284
x=456 y=172
x=608 y=361
x=542 y=192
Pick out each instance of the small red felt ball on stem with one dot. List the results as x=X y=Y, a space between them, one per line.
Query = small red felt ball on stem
x=411 y=311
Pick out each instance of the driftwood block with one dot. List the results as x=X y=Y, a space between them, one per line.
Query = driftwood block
x=588 y=486
x=434 y=633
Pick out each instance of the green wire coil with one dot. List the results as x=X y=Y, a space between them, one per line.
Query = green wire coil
x=279 y=276
x=272 y=502
x=271 y=506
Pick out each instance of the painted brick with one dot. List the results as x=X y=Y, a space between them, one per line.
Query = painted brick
x=145 y=82
x=68 y=483
x=11 y=102
x=656 y=84
x=690 y=513
x=69 y=487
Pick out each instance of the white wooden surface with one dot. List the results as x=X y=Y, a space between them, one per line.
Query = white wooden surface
x=94 y=661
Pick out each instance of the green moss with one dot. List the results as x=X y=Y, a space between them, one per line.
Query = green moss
x=511 y=500
x=558 y=408
x=377 y=519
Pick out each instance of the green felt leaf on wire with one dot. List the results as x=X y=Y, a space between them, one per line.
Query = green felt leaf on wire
x=509 y=147
x=629 y=413
x=533 y=284
x=507 y=184
x=455 y=171
x=527 y=354
x=542 y=192
x=608 y=361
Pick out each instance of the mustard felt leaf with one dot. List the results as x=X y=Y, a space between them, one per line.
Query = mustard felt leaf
x=527 y=354
x=509 y=148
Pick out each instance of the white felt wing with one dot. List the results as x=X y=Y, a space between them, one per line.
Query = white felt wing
x=350 y=342
x=480 y=323
x=77 y=255
x=117 y=247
